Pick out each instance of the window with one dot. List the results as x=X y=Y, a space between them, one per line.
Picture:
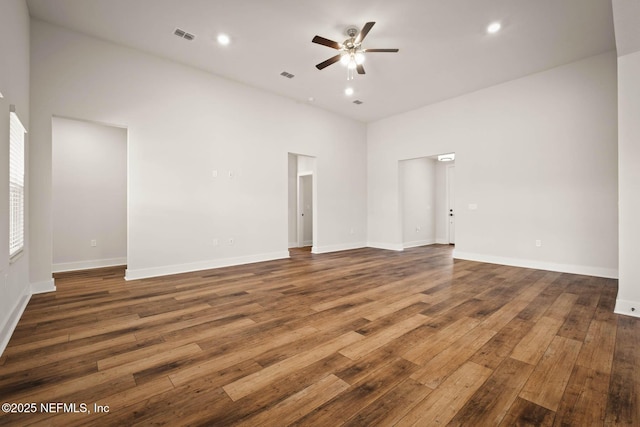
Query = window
x=16 y=185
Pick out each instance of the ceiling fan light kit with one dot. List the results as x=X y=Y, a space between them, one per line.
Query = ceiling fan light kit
x=352 y=54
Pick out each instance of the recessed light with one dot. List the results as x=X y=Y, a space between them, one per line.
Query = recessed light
x=494 y=27
x=348 y=91
x=311 y=99
x=223 y=39
x=1 y=95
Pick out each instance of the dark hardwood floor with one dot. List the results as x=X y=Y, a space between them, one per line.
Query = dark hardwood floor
x=358 y=338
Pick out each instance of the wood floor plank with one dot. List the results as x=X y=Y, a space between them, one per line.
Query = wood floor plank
x=392 y=406
x=585 y=399
x=367 y=345
x=258 y=380
x=299 y=404
x=329 y=339
x=623 y=405
x=524 y=413
x=229 y=359
x=366 y=391
x=500 y=346
x=548 y=381
x=436 y=370
x=427 y=350
x=598 y=348
x=490 y=404
x=533 y=345
x=441 y=405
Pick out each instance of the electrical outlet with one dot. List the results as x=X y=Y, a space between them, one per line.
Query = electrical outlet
x=418 y=229
x=214 y=174
x=538 y=243
x=94 y=243
x=231 y=241
x=215 y=242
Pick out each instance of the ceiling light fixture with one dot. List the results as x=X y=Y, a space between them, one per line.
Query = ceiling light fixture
x=223 y=39
x=494 y=27
x=348 y=91
x=351 y=52
x=447 y=157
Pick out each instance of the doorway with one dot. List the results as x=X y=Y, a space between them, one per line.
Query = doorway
x=305 y=210
x=302 y=201
x=427 y=200
x=89 y=195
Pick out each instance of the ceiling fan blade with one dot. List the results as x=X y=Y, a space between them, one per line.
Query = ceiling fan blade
x=381 y=50
x=363 y=33
x=328 y=62
x=326 y=42
x=360 y=69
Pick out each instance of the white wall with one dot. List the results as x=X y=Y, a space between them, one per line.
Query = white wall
x=15 y=288
x=538 y=155
x=418 y=198
x=184 y=124
x=89 y=195
x=628 y=301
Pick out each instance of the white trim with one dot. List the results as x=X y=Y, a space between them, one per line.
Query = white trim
x=387 y=246
x=627 y=308
x=88 y=265
x=307 y=243
x=143 y=273
x=442 y=241
x=12 y=321
x=337 y=248
x=416 y=243
x=609 y=273
x=293 y=245
x=43 y=287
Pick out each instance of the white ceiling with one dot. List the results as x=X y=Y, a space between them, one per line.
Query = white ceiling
x=444 y=48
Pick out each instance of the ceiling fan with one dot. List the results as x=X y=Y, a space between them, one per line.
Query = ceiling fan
x=351 y=52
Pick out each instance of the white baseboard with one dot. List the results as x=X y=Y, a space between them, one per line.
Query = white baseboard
x=628 y=308
x=609 y=273
x=143 y=273
x=88 y=265
x=307 y=243
x=337 y=248
x=387 y=246
x=416 y=243
x=442 y=241
x=11 y=321
x=43 y=287
x=293 y=245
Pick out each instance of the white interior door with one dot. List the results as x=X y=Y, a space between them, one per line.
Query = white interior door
x=451 y=203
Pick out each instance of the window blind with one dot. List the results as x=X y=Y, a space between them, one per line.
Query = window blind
x=16 y=185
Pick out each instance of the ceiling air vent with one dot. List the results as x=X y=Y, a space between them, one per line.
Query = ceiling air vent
x=357 y=101
x=183 y=34
x=287 y=75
